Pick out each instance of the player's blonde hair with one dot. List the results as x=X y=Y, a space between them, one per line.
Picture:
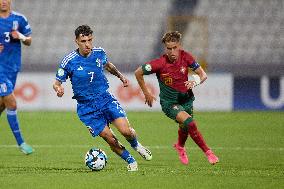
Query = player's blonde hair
x=172 y=36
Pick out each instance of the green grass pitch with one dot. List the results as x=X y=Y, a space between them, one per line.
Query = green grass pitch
x=250 y=146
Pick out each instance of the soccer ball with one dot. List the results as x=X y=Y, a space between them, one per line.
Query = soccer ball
x=96 y=159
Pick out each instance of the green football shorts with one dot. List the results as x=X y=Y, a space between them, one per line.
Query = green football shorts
x=172 y=109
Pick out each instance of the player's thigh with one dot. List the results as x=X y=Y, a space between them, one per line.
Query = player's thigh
x=2 y=102
x=10 y=101
x=187 y=111
x=112 y=111
x=94 y=122
x=123 y=126
x=188 y=107
x=2 y=105
x=115 y=114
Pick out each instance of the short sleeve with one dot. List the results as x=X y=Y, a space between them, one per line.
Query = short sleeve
x=62 y=73
x=100 y=55
x=24 y=28
x=191 y=62
x=104 y=58
x=152 y=67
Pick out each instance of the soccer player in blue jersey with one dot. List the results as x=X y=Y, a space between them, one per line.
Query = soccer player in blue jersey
x=14 y=30
x=96 y=106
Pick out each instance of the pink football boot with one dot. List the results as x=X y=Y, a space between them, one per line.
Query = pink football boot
x=211 y=157
x=182 y=154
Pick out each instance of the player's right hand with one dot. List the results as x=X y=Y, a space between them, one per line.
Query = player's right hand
x=149 y=99
x=59 y=91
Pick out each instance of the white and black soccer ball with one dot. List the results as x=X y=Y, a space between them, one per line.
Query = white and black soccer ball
x=96 y=159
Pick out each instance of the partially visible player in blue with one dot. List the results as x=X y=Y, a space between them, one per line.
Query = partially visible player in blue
x=14 y=30
x=97 y=108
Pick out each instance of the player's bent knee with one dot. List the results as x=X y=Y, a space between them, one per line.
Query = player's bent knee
x=128 y=133
x=182 y=116
x=132 y=132
x=184 y=127
x=188 y=121
x=2 y=108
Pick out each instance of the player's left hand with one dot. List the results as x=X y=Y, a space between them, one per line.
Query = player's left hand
x=190 y=84
x=17 y=35
x=59 y=90
x=14 y=34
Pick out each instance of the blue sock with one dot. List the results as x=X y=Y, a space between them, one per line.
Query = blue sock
x=14 y=125
x=133 y=142
x=127 y=157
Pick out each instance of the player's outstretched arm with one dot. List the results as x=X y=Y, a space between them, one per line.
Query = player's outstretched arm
x=114 y=71
x=149 y=98
x=58 y=88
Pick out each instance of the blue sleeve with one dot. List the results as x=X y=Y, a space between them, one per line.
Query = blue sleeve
x=62 y=73
x=104 y=58
x=24 y=28
x=194 y=65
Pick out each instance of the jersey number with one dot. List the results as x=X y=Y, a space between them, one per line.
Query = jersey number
x=92 y=76
x=168 y=81
x=7 y=37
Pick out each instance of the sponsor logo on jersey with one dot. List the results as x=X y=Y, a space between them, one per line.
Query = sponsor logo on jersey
x=80 y=68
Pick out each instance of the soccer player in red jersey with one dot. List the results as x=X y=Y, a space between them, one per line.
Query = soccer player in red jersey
x=176 y=96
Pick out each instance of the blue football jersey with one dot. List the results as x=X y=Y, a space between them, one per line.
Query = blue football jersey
x=86 y=74
x=10 y=57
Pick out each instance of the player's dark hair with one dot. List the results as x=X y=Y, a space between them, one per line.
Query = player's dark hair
x=172 y=36
x=85 y=30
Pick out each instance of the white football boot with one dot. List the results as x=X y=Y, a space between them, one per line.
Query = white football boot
x=144 y=152
x=132 y=166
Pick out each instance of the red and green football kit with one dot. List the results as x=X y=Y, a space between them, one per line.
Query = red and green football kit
x=174 y=96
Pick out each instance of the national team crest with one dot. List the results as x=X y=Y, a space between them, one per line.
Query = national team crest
x=182 y=70
x=15 y=25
